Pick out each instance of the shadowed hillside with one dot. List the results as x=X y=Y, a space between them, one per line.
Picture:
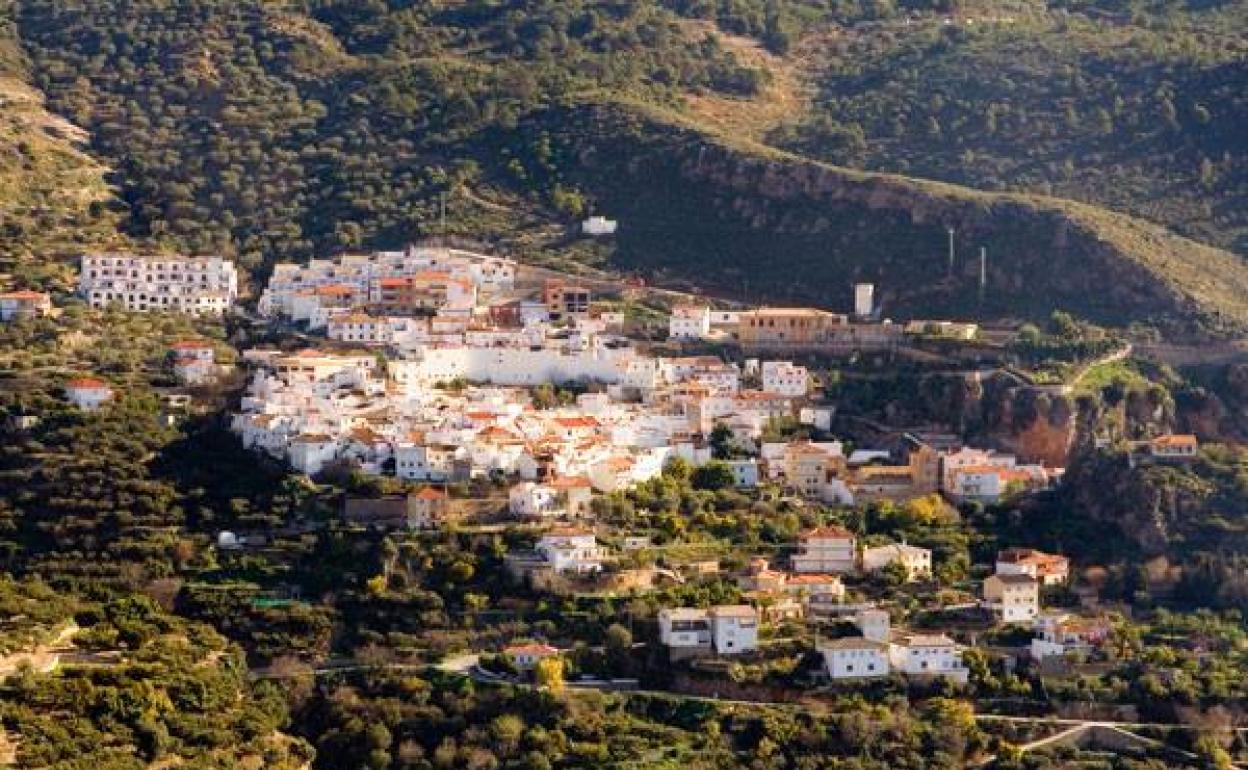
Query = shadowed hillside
x=733 y=216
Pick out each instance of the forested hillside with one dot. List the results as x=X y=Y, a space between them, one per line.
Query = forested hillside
x=271 y=131
x=53 y=195
x=1136 y=106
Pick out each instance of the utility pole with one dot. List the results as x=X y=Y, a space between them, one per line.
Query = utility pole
x=951 y=232
x=983 y=271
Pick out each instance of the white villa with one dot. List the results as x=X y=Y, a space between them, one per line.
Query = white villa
x=572 y=550
x=726 y=630
x=925 y=655
x=1016 y=598
x=855 y=657
x=88 y=393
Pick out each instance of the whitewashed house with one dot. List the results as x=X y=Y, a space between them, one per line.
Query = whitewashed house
x=1015 y=598
x=917 y=561
x=785 y=378
x=734 y=629
x=874 y=624
x=88 y=393
x=685 y=631
x=597 y=226
x=531 y=500
x=855 y=657
x=572 y=550
x=18 y=305
x=926 y=655
x=744 y=473
x=828 y=549
x=527 y=656
x=689 y=322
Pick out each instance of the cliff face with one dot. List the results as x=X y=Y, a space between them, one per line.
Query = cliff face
x=781 y=228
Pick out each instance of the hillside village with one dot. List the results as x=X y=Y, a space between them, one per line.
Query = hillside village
x=441 y=368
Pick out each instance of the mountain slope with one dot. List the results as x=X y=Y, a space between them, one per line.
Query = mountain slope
x=737 y=216
x=53 y=194
x=270 y=131
x=1135 y=106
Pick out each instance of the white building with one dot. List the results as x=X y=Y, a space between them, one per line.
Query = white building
x=87 y=393
x=1060 y=634
x=785 y=378
x=195 y=285
x=531 y=500
x=1016 y=598
x=597 y=225
x=1181 y=447
x=194 y=361
x=572 y=550
x=689 y=322
x=923 y=655
x=1049 y=569
x=744 y=473
x=726 y=629
x=969 y=457
x=685 y=630
x=855 y=658
x=917 y=561
x=527 y=656
x=425 y=462
x=16 y=305
x=828 y=549
x=864 y=300
x=990 y=483
x=874 y=624
x=734 y=629
x=311 y=452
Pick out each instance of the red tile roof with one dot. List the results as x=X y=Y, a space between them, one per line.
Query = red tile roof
x=827 y=531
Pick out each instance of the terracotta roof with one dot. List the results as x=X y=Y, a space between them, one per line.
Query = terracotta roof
x=429 y=493
x=312 y=438
x=87 y=383
x=191 y=345
x=24 y=295
x=1183 y=439
x=570 y=482
x=335 y=290
x=759 y=395
x=577 y=422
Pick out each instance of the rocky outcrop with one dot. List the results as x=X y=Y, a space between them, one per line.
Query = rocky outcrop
x=781 y=228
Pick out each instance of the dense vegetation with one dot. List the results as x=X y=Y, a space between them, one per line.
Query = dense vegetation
x=160 y=691
x=269 y=131
x=1137 y=107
